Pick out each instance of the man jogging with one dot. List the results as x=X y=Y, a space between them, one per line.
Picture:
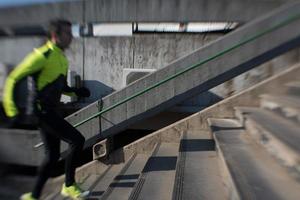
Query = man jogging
x=48 y=67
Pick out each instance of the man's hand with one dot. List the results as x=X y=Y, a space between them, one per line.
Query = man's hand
x=82 y=92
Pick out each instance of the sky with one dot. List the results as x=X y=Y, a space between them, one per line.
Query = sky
x=6 y=3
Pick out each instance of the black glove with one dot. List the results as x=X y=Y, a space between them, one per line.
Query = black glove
x=82 y=92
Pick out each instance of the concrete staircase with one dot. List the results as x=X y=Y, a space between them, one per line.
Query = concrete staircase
x=252 y=154
x=239 y=51
x=180 y=170
x=260 y=147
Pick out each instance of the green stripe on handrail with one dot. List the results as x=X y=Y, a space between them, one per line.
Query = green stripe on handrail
x=277 y=26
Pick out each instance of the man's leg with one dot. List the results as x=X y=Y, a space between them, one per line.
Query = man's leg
x=52 y=151
x=63 y=130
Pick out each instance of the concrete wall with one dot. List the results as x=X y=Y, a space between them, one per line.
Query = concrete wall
x=107 y=56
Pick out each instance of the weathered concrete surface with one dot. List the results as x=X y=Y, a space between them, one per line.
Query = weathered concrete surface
x=223 y=109
x=138 y=11
x=204 y=78
x=75 y=55
x=107 y=56
x=154 y=51
x=104 y=63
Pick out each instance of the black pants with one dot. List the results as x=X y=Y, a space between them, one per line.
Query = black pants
x=53 y=129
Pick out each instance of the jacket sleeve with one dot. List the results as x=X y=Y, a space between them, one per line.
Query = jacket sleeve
x=31 y=64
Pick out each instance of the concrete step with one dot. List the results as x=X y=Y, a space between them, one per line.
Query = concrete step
x=287 y=106
x=197 y=172
x=97 y=184
x=246 y=165
x=124 y=182
x=90 y=182
x=51 y=196
x=294 y=87
x=103 y=182
x=87 y=184
x=158 y=176
x=278 y=135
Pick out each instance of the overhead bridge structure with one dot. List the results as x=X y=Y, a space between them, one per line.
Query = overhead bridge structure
x=99 y=11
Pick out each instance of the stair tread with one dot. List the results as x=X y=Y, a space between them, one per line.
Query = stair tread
x=293 y=88
x=293 y=84
x=86 y=184
x=249 y=164
x=201 y=177
x=287 y=100
x=283 y=129
x=103 y=181
x=157 y=178
x=90 y=182
x=95 y=183
x=51 y=196
x=123 y=183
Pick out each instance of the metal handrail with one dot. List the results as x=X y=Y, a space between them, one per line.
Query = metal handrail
x=260 y=34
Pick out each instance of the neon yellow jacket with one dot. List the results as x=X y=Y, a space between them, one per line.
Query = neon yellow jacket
x=49 y=67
